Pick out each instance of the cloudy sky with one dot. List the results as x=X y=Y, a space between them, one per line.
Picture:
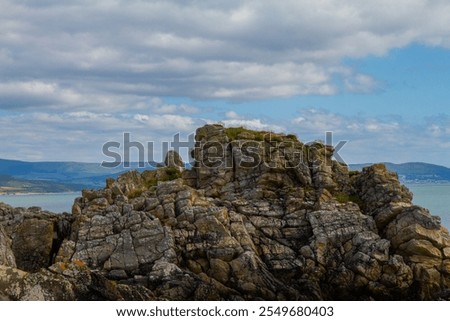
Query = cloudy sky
x=76 y=74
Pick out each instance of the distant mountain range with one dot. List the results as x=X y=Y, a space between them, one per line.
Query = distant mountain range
x=54 y=177
x=415 y=172
x=51 y=177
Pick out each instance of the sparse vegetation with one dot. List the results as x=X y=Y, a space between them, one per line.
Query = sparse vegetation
x=271 y=137
x=172 y=173
x=345 y=198
x=292 y=137
x=151 y=183
x=135 y=193
x=353 y=173
x=234 y=132
x=151 y=179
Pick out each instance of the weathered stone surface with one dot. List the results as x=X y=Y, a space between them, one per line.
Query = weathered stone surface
x=65 y=282
x=32 y=244
x=267 y=219
x=382 y=194
x=6 y=254
x=412 y=231
x=173 y=159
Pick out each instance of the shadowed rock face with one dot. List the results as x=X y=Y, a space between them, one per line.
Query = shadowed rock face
x=260 y=216
x=173 y=159
x=6 y=254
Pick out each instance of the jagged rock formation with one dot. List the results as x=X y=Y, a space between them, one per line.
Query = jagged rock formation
x=173 y=159
x=260 y=216
x=29 y=241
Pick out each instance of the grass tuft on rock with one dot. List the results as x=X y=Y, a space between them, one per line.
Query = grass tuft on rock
x=345 y=198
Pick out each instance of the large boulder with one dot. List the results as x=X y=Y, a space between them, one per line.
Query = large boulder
x=32 y=244
x=173 y=159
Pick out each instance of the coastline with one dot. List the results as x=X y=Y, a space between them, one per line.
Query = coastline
x=424 y=182
x=34 y=193
x=53 y=202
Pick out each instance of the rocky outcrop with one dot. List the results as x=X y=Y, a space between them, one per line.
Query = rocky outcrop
x=6 y=254
x=173 y=159
x=65 y=282
x=259 y=216
x=34 y=236
x=413 y=232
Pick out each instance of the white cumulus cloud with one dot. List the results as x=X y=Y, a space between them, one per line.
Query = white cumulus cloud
x=128 y=51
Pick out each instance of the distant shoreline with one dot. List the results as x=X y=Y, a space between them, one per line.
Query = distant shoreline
x=34 y=193
x=425 y=182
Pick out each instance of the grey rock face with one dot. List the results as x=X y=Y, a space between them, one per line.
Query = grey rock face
x=6 y=254
x=260 y=216
x=173 y=159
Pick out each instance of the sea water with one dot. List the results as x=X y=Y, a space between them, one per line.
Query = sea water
x=435 y=197
x=57 y=202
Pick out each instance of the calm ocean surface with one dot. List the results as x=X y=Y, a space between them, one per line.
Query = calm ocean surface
x=58 y=202
x=435 y=197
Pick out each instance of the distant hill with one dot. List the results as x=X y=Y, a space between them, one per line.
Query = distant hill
x=10 y=184
x=415 y=172
x=49 y=177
